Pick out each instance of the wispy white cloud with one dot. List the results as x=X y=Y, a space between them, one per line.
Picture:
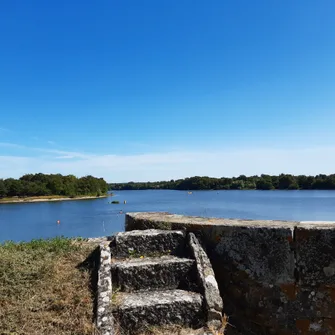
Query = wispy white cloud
x=2 y=129
x=46 y=150
x=65 y=157
x=11 y=145
x=73 y=154
x=173 y=164
x=51 y=142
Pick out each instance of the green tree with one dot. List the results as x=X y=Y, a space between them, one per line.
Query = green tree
x=237 y=185
x=287 y=182
x=3 y=190
x=52 y=184
x=264 y=184
x=13 y=186
x=305 y=182
x=70 y=185
x=55 y=184
x=275 y=181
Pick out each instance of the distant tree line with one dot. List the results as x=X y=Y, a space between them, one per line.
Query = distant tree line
x=52 y=184
x=262 y=182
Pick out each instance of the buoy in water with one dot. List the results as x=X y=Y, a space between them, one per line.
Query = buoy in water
x=125 y=202
x=58 y=221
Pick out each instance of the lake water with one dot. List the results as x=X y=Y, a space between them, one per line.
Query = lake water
x=93 y=218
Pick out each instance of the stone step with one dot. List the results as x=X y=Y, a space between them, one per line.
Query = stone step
x=148 y=242
x=138 y=310
x=152 y=273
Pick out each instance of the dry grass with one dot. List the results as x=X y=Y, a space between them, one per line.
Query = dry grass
x=44 y=289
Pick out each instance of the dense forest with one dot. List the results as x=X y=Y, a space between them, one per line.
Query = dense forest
x=262 y=182
x=52 y=184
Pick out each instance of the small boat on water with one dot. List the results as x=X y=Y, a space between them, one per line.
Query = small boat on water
x=189 y=192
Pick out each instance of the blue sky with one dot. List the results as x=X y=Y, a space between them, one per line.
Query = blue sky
x=147 y=90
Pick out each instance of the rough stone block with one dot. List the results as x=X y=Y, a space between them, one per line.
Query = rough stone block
x=134 y=311
x=207 y=282
x=315 y=302
x=314 y=326
x=263 y=254
x=315 y=255
x=146 y=242
x=104 y=319
x=166 y=272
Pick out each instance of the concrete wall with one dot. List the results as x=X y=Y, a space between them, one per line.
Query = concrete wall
x=275 y=277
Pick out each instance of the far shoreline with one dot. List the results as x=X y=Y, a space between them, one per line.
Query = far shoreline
x=49 y=199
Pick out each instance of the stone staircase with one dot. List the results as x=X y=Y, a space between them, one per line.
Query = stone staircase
x=159 y=277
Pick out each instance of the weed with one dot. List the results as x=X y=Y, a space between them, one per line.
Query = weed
x=42 y=289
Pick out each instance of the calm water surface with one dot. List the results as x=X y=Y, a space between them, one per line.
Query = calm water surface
x=92 y=218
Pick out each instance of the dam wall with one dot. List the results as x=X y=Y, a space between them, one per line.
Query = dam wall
x=275 y=277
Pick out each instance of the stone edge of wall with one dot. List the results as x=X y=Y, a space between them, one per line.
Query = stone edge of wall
x=104 y=318
x=165 y=220
x=208 y=283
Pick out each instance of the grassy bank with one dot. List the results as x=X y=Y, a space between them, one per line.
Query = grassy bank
x=44 y=198
x=46 y=287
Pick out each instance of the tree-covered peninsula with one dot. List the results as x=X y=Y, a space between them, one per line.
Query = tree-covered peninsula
x=35 y=185
x=262 y=182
